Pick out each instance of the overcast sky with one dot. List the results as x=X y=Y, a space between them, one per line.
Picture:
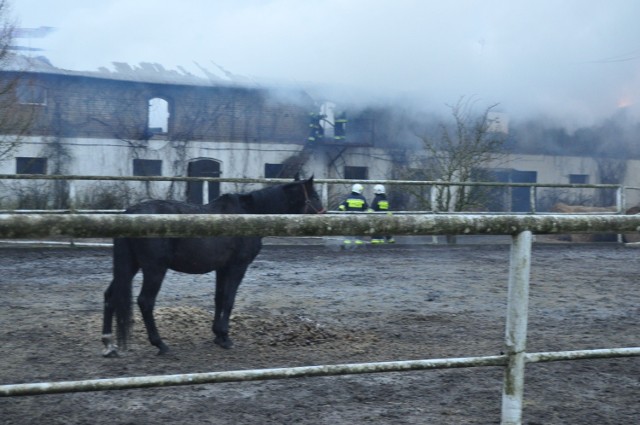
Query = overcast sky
x=578 y=60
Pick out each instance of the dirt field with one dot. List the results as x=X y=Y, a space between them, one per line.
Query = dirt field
x=309 y=305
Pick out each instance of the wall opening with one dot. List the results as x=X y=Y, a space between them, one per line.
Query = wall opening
x=31 y=165
x=29 y=93
x=356 y=173
x=196 y=192
x=578 y=178
x=158 y=119
x=147 y=167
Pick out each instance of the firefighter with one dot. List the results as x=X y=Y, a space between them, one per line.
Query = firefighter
x=339 y=128
x=380 y=203
x=316 y=132
x=354 y=202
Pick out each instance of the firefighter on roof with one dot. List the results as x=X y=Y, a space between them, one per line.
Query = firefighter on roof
x=316 y=132
x=339 y=128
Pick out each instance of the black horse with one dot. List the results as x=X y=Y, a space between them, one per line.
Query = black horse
x=228 y=256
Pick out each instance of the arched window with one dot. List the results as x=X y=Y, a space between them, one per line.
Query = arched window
x=158 y=116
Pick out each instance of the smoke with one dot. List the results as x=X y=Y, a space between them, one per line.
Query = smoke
x=574 y=63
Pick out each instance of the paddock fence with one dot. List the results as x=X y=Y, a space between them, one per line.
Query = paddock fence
x=520 y=227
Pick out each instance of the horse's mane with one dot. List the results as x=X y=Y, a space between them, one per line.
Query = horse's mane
x=277 y=199
x=271 y=199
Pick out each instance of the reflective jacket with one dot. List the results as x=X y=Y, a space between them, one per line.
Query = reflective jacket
x=380 y=203
x=355 y=202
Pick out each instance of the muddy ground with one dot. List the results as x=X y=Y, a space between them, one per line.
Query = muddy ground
x=311 y=304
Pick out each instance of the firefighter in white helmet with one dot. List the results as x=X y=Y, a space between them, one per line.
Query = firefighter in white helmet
x=380 y=203
x=355 y=201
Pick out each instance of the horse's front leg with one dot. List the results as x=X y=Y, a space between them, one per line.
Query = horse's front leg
x=151 y=283
x=227 y=283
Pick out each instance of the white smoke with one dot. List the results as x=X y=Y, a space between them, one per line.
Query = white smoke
x=576 y=61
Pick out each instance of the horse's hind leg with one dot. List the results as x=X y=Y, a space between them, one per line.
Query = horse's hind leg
x=110 y=348
x=151 y=282
x=122 y=277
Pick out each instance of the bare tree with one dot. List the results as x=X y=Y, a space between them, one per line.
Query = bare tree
x=612 y=171
x=14 y=121
x=461 y=151
x=7 y=29
x=6 y=37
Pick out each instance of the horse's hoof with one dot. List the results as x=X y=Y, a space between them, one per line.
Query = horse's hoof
x=223 y=341
x=110 y=349
x=163 y=349
x=110 y=352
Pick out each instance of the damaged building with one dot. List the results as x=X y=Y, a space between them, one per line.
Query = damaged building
x=149 y=121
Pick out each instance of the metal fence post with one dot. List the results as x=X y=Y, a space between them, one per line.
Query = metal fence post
x=621 y=202
x=324 y=194
x=532 y=200
x=620 y=208
x=72 y=197
x=516 y=328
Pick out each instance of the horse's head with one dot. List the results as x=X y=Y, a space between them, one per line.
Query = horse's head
x=297 y=197
x=303 y=197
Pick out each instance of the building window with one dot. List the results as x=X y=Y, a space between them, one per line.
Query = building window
x=147 y=167
x=272 y=171
x=280 y=171
x=578 y=179
x=29 y=93
x=158 y=116
x=356 y=173
x=31 y=165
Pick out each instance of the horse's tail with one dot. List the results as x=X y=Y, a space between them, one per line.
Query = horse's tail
x=124 y=268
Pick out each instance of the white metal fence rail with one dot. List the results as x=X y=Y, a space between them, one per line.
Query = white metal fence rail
x=620 y=190
x=520 y=227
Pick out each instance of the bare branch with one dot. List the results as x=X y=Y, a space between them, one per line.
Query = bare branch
x=458 y=150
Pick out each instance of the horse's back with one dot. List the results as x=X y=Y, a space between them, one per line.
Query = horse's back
x=225 y=204
x=158 y=206
x=192 y=255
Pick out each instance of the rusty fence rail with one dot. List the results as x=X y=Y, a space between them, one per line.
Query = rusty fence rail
x=520 y=227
